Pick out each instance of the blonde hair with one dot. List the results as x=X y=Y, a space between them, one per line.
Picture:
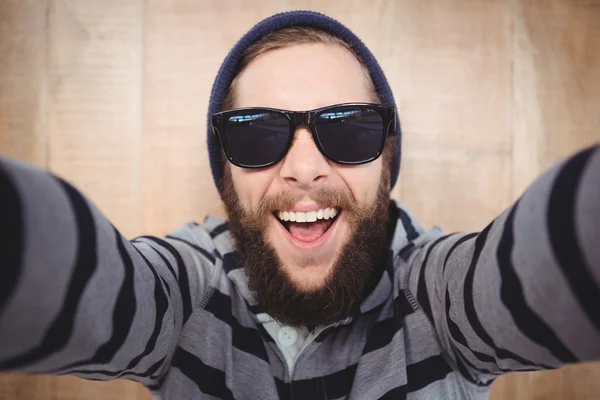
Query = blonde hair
x=292 y=36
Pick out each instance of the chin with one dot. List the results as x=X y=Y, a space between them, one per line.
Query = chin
x=308 y=269
x=309 y=279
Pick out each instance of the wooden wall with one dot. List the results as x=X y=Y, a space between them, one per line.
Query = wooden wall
x=112 y=95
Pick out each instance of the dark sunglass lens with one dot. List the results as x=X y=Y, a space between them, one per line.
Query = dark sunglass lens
x=256 y=138
x=350 y=133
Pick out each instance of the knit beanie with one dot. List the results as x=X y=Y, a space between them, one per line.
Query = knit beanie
x=231 y=67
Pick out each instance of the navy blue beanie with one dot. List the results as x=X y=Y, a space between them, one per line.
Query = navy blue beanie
x=231 y=65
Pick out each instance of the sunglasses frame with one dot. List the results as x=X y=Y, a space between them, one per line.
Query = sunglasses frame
x=305 y=118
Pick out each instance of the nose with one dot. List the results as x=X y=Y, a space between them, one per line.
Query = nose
x=304 y=166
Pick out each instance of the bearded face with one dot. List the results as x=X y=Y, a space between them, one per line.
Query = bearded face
x=310 y=233
x=356 y=264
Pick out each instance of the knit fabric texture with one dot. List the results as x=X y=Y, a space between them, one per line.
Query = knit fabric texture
x=230 y=68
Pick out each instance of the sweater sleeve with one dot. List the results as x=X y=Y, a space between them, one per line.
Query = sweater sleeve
x=76 y=297
x=524 y=293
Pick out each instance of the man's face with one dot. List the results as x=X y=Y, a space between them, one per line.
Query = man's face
x=307 y=256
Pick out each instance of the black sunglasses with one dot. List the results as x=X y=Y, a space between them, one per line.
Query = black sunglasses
x=350 y=133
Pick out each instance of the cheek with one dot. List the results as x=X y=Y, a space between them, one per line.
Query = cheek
x=363 y=181
x=251 y=185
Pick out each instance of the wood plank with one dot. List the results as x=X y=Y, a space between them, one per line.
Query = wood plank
x=26 y=387
x=73 y=388
x=576 y=382
x=23 y=110
x=23 y=80
x=556 y=83
x=94 y=102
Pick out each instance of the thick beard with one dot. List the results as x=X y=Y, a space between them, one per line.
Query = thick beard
x=358 y=264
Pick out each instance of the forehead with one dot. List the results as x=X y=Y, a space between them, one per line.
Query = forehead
x=302 y=77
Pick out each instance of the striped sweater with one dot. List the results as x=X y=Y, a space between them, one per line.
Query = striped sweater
x=449 y=314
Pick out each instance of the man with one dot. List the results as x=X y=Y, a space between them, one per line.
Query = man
x=318 y=287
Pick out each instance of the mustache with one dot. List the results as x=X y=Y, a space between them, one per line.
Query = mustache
x=327 y=197
x=287 y=199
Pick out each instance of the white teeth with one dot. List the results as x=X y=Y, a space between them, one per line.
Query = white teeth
x=300 y=216
x=310 y=216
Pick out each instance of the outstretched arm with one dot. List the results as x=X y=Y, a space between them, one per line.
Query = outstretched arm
x=523 y=294
x=75 y=296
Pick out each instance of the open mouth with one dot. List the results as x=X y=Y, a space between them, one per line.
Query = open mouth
x=308 y=226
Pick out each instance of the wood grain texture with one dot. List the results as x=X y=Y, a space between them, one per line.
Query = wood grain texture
x=112 y=95
x=23 y=78
x=556 y=83
x=94 y=68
